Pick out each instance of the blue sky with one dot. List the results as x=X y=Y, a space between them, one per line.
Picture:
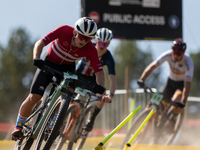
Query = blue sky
x=39 y=17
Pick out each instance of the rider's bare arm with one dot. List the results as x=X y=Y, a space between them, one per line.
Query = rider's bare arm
x=100 y=78
x=186 y=91
x=37 y=50
x=148 y=70
x=113 y=83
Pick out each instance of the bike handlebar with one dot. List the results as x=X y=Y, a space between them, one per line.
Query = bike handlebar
x=148 y=90
x=52 y=71
x=86 y=84
x=177 y=104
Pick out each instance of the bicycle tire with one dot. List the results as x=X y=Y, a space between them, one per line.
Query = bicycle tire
x=60 y=141
x=166 y=137
x=146 y=130
x=59 y=107
x=26 y=146
x=82 y=139
x=25 y=142
x=70 y=113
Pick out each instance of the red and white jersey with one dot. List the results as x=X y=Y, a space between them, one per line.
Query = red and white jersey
x=179 y=70
x=60 y=51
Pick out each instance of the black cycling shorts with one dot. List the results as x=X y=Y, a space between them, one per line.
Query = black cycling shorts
x=171 y=87
x=41 y=79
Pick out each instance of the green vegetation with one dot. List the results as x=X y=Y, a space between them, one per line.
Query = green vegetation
x=127 y=54
x=16 y=73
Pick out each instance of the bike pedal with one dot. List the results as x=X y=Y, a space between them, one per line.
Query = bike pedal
x=16 y=134
x=15 y=138
x=84 y=133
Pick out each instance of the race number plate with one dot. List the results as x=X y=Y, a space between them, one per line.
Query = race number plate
x=80 y=91
x=156 y=98
x=70 y=76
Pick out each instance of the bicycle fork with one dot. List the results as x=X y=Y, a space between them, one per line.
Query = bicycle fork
x=73 y=120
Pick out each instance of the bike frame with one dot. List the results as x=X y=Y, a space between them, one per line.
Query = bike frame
x=41 y=112
x=72 y=121
x=164 y=111
x=52 y=98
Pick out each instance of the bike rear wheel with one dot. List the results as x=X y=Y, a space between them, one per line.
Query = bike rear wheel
x=145 y=135
x=89 y=111
x=46 y=134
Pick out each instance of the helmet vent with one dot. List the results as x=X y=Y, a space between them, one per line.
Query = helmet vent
x=85 y=25
x=78 y=28
x=104 y=38
x=91 y=27
x=109 y=36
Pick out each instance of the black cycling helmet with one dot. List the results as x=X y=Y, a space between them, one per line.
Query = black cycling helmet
x=178 y=45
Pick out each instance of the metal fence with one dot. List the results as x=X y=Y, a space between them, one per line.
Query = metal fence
x=112 y=114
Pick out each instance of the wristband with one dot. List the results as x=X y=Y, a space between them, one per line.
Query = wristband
x=111 y=94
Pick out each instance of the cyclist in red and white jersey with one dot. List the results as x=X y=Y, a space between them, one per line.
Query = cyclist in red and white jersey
x=180 y=75
x=67 y=45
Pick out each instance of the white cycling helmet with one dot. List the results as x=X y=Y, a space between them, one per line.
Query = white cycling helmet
x=86 y=27
x=104 y=35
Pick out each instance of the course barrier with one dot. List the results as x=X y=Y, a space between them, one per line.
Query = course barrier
x=99 y=146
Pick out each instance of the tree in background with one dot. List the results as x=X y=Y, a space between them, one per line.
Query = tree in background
x=127 y=54
x=196 y=77
x=16 y=73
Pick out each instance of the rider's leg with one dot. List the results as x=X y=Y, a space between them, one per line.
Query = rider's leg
x=38 y=86
x=177 y=98
x=24 y=112
x=99 y=105
x=28 y=104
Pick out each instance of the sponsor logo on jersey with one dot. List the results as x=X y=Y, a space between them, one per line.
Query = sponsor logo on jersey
x=41 y=88
x=180 y=65
x=65 y=43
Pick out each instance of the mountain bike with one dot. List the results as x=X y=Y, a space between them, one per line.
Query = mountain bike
x=43 y=125
x=77 y=116
x=161 y=127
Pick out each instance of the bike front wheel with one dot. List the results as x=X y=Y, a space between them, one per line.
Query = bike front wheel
x=62 y=139
x=89 y=111
x=169 y=130
x=49 y=132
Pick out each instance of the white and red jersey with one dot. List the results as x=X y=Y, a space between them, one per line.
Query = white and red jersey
x=60 y=51
x=179 y=70
x=84 y=67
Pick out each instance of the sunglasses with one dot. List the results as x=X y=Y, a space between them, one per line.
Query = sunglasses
x=103 y=44
x=177 y=53
x=82 y=37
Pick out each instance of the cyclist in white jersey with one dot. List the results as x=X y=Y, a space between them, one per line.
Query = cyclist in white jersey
x=180 y=75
